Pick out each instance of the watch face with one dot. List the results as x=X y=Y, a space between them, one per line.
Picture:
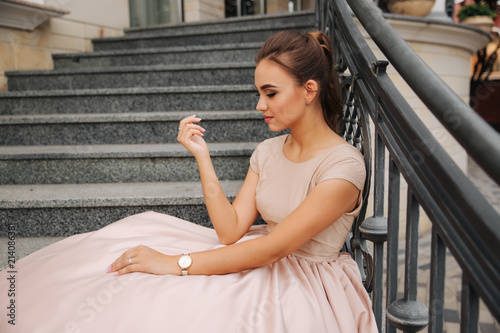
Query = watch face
x=185 y=261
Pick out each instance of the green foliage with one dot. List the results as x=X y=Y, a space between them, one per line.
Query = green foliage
x=475 y=10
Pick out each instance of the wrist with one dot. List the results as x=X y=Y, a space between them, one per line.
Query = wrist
x=184 y=263
x=202 y=157
x=173 y=265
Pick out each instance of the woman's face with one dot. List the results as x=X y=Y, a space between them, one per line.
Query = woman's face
x=281 y=100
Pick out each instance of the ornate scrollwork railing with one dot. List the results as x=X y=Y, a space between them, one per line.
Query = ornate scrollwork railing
x=355 y=129
x=463 y=222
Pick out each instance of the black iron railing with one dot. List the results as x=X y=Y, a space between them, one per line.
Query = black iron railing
x=462 y=220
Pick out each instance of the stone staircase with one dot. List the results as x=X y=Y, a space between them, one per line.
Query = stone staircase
x=94 y=140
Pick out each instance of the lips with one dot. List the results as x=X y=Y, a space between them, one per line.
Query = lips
x=267 y=119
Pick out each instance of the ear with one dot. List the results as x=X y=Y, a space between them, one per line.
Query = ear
x=312 y=90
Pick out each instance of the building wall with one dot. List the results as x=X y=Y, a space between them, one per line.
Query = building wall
x=276 y=6
x=308 y=4
x=203 y=10
x=111 y=14
x=32 y=50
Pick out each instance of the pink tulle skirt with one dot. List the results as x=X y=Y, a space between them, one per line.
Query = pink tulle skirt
x=64 y=288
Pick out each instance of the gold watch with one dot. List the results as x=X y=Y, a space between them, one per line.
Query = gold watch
x=185 y=261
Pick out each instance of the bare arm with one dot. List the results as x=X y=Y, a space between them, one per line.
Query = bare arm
x=230 y=221
x=324 y=204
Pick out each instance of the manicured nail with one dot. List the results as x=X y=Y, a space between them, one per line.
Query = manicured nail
x=108 y=269
x=115 y=273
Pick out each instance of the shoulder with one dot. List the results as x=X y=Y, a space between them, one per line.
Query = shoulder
x=346 y=152
x=342 y=162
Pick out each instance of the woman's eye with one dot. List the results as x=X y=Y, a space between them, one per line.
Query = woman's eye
x=271 y=94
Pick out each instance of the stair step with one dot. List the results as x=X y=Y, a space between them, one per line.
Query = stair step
x=94 y=141
x=68 y=209
x=224 y=53
x=128 y=128
x=117 y=163
x=267 y=21
x=138 y=76
x=203 y=98
x=233 y=35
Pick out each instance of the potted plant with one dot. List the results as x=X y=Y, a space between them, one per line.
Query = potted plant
x=479 y=14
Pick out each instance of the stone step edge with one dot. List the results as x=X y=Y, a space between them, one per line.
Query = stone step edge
x=130 y=69
x=116 y=151
x=107 y=195
x=128 y=91
x=242 y=29
x=158 y=50
x=166 y=116
x=229 y=20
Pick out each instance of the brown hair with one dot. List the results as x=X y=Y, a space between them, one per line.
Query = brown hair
x=308 y=57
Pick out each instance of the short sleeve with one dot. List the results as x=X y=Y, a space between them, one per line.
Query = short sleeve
x=350 y=167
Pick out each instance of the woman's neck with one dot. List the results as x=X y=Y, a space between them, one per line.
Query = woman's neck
x=309 y=139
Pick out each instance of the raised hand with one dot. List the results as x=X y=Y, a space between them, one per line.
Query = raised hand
x=191 y=136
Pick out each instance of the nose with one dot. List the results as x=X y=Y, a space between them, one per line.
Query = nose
x=261 y=105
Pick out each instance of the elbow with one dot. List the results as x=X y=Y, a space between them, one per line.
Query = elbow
x=227 y=239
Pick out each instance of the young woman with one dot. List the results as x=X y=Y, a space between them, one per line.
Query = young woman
x=167 y=275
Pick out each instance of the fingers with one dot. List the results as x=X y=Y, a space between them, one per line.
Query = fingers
x=187 y=128
x=191 y=129
x=128 y=262
x=188 y=120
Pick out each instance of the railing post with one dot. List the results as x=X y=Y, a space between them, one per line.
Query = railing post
x=469 y=308
x=408 y=314
x=392 y=239
x=436 y=289
x=374 y=229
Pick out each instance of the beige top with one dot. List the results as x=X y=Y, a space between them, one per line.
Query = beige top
x=283 y=185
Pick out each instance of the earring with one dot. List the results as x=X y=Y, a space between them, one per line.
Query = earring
x=307 y=102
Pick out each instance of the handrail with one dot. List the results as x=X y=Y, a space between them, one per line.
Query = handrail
x=458 y=118
x=463 y=221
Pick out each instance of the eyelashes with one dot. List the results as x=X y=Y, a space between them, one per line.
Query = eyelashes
x=268 y=95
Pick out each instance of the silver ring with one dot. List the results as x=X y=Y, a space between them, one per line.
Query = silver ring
x=130 y=260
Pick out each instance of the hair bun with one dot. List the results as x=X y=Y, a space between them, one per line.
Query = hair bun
x=326 y=45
